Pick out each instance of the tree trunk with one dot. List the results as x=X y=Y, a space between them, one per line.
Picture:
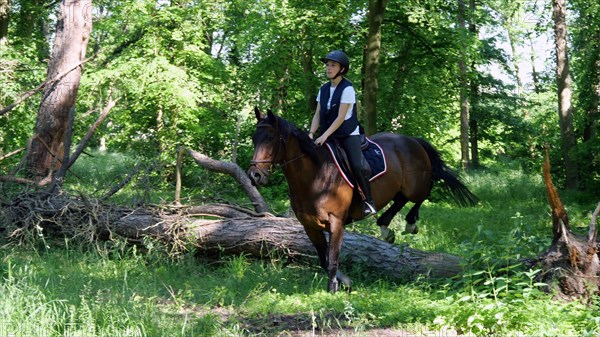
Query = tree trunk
x=534 y=74
x=590 y=128
x=309 y=75
x=371 y=60
x=563 y=81
x=464 y=89
x=4 y=20
x=571 y=266
x=508 y=25
x=473 y=131
x=72 y=34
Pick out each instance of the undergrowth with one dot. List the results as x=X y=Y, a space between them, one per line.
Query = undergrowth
x=51 y=287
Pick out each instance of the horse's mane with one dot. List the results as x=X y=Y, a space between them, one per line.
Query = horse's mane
x=307 y=145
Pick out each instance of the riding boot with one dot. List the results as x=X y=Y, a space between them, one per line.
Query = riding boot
x=369 y=206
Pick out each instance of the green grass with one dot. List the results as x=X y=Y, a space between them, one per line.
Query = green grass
x=67 y=291
x=61 y=288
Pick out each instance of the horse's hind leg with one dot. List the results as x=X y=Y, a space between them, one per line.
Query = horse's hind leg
x=411 y=219
x=386 y=218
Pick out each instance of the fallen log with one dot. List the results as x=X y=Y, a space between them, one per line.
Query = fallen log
x=217 y=229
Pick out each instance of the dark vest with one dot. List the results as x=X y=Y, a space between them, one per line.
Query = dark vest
x=328 y=116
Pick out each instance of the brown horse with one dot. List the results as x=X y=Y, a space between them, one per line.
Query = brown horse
x=324 y=202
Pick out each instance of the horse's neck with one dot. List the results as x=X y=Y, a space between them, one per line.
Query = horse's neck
x=299 y=170
x=303 y=173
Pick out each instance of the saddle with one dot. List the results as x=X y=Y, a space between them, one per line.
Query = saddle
x=372 y=152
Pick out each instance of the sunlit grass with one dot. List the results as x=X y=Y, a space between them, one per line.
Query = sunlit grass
x=121 y=292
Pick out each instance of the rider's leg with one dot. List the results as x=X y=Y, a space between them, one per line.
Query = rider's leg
x=360 y=170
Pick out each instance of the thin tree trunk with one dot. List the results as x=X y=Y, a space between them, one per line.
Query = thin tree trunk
x=474 y=124
x=515 y=57
x=534 y=73
x=280 y=95
x=563 y=80
x=375 y=17
x=4 y=20
x=593 y=112
x=474 y=114
x=309 y=85
x=160 y=128
x=464 y=89
x=72 y=35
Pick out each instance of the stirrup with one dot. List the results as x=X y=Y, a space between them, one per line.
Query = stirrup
x=369 y=209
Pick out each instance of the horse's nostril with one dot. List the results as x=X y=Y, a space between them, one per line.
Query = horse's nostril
x=254 y=177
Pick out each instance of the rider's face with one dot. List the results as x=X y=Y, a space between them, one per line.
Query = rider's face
x=333 y=68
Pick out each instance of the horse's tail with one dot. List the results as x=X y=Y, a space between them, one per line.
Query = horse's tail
x=440 y=171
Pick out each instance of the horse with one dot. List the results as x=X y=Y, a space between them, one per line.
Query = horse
x=324 y=202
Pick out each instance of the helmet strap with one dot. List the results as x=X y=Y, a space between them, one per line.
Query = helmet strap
x=339 y=73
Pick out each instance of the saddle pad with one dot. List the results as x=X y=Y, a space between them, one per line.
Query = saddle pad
x=374 y=156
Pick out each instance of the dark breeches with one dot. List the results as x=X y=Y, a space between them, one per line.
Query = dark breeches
x=357 y=161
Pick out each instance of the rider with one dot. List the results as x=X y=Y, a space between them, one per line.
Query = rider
x=338 y=118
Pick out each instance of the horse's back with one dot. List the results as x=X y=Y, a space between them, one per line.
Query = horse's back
x=405 y=146
x=408 y=160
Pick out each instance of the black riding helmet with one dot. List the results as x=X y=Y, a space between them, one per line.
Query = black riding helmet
x=339 y=57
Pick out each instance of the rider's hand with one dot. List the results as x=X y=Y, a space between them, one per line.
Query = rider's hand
x=321 y=140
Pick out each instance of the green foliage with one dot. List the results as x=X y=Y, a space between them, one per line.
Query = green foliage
x=20 y=71
x=187 y=73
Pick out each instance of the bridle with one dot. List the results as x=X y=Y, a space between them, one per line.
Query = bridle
x=280 y=144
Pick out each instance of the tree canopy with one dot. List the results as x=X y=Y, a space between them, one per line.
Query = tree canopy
x=188 y=72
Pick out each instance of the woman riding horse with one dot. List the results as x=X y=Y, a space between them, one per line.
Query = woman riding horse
x=324 y=202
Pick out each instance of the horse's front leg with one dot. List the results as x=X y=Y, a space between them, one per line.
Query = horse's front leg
x=317 y=238
x=335 y=244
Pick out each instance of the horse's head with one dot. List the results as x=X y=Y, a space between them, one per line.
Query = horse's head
x=268 y=147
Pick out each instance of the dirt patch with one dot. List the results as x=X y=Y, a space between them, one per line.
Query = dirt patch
x=328 y=325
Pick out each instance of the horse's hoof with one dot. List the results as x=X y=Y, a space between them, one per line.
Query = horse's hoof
x=391 y=237
x=333 y=287
x=410 y=229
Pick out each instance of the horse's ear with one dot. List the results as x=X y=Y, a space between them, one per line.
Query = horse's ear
x=258 y=114
x=270 y=114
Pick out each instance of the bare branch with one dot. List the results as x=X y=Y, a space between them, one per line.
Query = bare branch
x=111 y=103
x=123 y=182
x=236 y=172
x=41 y=87
x=10 y=154
x=14 y=179
x=593 y=232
